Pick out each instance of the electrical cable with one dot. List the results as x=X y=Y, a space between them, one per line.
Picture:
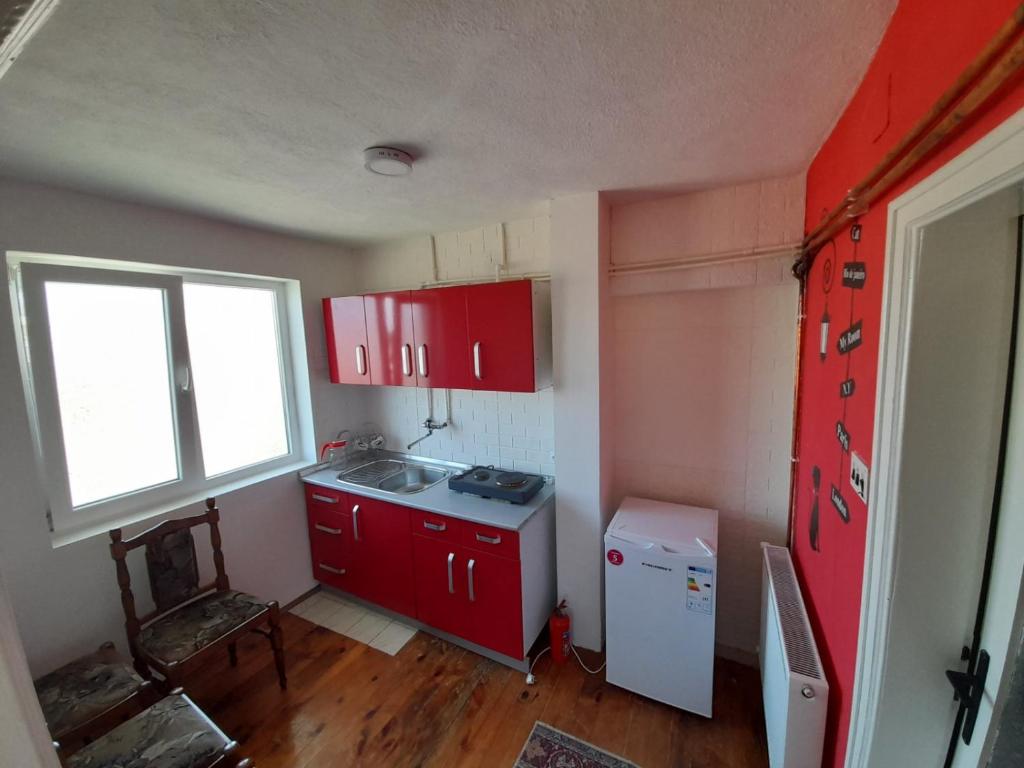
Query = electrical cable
x=585 y=667
x=530 y=679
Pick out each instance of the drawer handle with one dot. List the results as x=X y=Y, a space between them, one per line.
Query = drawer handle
x=451 y=578
x=434 y=526
x=325 y=529
x=469 y=576
x=324 y=499
x=488 y=539
x=332 y=569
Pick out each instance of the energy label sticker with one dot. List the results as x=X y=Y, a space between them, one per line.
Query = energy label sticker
x=700 y=589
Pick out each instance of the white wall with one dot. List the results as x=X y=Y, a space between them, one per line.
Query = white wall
x=513 y=431
x=66 y=600
x=704 y=364
x=579 y=296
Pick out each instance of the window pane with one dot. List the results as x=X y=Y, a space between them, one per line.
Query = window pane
x=114 y=389
x=236 y=364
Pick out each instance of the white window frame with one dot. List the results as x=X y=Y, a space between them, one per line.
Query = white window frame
x=28 y=275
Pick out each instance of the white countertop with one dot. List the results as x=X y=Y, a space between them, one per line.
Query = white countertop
x=439 y=499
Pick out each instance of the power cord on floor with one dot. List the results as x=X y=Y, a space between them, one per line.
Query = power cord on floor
x=531 y=679
x=585 y=667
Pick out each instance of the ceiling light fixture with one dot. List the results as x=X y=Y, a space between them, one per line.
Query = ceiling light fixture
x=387 y=161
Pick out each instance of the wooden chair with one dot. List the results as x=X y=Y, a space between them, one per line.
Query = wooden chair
x=190 y=621
x=172 y=733
x=84 y=699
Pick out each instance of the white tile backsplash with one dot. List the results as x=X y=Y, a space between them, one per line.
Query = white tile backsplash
x=509 y=430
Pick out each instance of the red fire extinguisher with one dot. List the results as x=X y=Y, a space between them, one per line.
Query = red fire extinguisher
x=560 y=633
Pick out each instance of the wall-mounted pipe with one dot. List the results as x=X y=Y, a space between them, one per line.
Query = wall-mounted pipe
x=1000 y=61
x=952 y=95
x=705 y=260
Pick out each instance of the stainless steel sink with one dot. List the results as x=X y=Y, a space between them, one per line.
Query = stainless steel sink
x=412 y=479
x=394 y=476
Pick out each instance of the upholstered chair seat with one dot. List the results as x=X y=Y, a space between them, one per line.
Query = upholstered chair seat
x=173 y=733
x=192 y=627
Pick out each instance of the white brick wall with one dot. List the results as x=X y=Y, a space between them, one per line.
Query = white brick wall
x=511 y=431
x=508 y=430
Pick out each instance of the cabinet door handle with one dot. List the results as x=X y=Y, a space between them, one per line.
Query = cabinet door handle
x=360 y=359
x=434 y=526
x=406 y=360
x=478 y=370
x=325 y=529
x=332 y=569
x=469 y=575
x=451 y=578
x=421 y=356
x=324 y=499
x=488 y=539
x=355 y=522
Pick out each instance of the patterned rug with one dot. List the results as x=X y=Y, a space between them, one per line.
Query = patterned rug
x=550 y=748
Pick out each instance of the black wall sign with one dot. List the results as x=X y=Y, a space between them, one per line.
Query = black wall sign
x=855 y=274
x=840 y=504
x=847 y=388
x=843 y=436
x=850 y=339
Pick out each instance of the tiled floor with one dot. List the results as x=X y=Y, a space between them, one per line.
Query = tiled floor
x=355 y=621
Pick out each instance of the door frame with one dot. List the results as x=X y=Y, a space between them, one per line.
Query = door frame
x=994 y=162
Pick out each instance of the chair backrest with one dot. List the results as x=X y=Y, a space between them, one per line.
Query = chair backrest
x=171 y=562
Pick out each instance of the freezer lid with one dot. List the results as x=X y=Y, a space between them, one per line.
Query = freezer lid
x=676 y=526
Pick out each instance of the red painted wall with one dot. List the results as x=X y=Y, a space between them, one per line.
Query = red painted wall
x=927 y=45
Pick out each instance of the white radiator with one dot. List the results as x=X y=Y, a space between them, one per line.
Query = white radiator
x=793 y=684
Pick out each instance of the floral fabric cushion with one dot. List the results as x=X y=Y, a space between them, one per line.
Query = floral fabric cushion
x=84 y=689
x=173 y=569
x=172 y=733
x=186 y=630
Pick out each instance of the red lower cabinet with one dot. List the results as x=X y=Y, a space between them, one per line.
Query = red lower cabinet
x=382 y=554
x=474 y=595
x=454 y=576
x=440 y=585
x=494 y=605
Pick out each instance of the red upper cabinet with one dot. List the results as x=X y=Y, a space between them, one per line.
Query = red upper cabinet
x=390 y=338
x=345 y=328
x=442 y=338
x=487 y=336
x=509 y=335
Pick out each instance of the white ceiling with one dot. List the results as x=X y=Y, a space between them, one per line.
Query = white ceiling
x=257 y=110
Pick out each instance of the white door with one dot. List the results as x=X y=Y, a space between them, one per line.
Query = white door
x=960 y=326
x=1002 y=614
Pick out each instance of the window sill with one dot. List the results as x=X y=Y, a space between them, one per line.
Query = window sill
x=64 y=537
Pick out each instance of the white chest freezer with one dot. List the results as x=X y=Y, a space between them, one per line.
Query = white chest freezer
x=660 y=583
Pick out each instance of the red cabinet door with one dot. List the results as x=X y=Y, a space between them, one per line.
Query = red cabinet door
x=442 y=338
x=494 y=605
x=389 y=338
x=345 y=328
x=440 y=575
x=382 y=554
x=500 y=320
x=330 y=546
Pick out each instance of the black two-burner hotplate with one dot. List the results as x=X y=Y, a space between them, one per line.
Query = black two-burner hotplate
x=491 y=483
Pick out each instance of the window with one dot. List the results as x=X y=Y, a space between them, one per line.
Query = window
x=151 y=389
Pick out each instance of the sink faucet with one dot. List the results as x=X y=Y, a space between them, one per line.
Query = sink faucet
x=430 y=425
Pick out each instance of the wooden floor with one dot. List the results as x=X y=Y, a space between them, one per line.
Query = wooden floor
x=437 y=705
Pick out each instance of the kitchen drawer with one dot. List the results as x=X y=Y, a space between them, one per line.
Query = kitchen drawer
x=437 y=526
x=326 y=498
x=497 y=541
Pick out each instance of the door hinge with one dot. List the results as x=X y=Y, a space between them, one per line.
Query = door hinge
x=969 y=688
